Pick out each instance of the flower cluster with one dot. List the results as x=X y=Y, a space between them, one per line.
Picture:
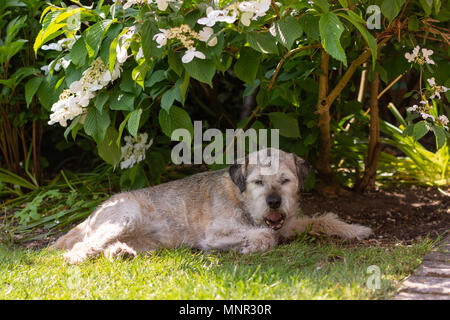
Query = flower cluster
x=73 y=101
x=187 y=37
x=61 y=45
x=420 y=56
x=123 y=45
x=435 y=89
x=134 y=150
x=246 y=10
x=424 y=109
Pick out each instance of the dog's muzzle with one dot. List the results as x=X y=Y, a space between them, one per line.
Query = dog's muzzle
x=275 y=220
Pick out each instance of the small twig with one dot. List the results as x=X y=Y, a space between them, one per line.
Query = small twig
x=283 y=60
x=390 y=85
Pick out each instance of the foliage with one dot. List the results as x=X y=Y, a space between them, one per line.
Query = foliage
x=421 y=166
x=171 y=46
x=257 y=66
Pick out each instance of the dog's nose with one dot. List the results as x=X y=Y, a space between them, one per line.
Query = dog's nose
x=273 y=201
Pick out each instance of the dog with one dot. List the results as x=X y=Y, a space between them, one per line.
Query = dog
x=242 y=208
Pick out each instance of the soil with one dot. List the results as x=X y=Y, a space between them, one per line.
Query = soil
x=402 y=214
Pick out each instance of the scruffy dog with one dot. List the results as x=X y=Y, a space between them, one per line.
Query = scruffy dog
x=240 y=208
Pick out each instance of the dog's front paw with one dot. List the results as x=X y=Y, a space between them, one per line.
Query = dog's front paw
x=120 y=250
x=259 y=241
x=74 y=257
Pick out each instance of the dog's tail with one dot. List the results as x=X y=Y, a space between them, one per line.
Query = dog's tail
x=330 y=224
x=72 y=237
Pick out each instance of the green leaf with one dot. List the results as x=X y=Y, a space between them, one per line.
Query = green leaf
x=371 y=41
x=139 y=72
x=247 y=65
x=184 y=87
x=175 y=63
x=391 y=8
x=174 y=119
x=96 y=123
x=427 y=5
x=78 y=53
x=262 y=42
x=133 y=122
x=440 y=135
x=108 y=149
x=95 y=34
x=420 y=129
x=201 y=70
x=122 y=101
x=287 y=124
x=156 y=77
x=310 y=24
x=331 y=29
x=31 y=87
x=168 y=98
x=323 y=4
x=287 y=30
x=100 y=100
x=149 y=46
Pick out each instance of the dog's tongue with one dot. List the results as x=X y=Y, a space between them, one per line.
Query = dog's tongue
x=275 y=216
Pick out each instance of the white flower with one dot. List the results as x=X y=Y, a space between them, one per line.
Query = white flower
x=121 y=53
x=163 y=4
x=63 y=44
x=123 y=44
x=52 y=46
x=426 y=54
x=258 y=7
x=245 y=18
x=161 y=38
x=190 y=54
x=139 y=54
x=436 y=90
x=213 y=16
x=205 y=35
x=425 y=116
x=420 y=58
x=134 y=150
x=129 y=3
x=443 y=120
x=413 y=108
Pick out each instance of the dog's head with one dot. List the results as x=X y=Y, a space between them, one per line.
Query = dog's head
x=269 y=181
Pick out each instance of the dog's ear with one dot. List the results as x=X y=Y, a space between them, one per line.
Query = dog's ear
x=237 y=176
x=303 y=169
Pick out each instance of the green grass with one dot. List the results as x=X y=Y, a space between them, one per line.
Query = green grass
x=303 y=269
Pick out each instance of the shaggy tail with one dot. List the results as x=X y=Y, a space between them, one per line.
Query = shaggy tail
x=72 y=237
x=330 y=224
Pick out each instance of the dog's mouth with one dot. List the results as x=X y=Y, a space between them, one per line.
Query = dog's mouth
x=275 y=220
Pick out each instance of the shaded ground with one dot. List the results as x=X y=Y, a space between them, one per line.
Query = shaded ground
x=401 y=214
x=404 y=214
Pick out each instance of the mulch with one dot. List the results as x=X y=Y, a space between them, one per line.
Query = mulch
x=404 y=214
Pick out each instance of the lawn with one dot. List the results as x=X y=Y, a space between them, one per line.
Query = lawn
x=304 y=269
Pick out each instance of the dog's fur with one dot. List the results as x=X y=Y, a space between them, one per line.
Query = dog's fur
x=232 y=209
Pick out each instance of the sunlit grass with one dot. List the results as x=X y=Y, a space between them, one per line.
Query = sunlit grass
x=299 y=270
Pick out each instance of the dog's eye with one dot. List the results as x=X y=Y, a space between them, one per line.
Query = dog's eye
x=285 y=181
x=258 y=182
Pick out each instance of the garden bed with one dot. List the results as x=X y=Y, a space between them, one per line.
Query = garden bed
x=398 y=214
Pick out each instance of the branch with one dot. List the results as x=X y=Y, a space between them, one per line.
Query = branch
x=283 y=60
